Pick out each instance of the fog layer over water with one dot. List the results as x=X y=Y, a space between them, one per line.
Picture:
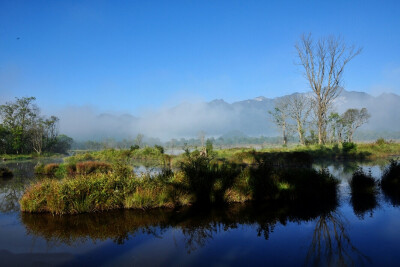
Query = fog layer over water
x=215 y=118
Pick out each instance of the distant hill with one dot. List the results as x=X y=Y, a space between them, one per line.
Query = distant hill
x=216 y=118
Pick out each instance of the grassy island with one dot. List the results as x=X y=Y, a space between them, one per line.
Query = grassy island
x=200 y=180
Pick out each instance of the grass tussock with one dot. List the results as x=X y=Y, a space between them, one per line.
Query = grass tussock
x=98 y=192
x=362 y=183
x=88 y=167
x=71 y=168
x=364 y=190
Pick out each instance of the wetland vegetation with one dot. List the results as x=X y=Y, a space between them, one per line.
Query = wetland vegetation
x=82 y=184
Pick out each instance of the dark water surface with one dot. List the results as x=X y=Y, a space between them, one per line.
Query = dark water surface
x=350 y=232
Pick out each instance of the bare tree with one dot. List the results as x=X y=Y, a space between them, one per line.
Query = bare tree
x=202 y=136
x=299 y=109
x=139 y=139
x=280 y=116
x=323 y=63
x=353 y=119
x=37 y=132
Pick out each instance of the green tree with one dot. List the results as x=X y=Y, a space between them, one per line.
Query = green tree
x=353 y=119
x=18 y=117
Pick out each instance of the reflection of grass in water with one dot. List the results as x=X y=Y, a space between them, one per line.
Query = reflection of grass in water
x=363 y=192
x=331 y=244
x=391 y=182
x=198 y=226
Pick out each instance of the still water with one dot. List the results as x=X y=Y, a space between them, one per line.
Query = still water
x=336 y=234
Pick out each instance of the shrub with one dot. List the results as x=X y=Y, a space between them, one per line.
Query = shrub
x=363 y=192
x=135 y=147
x=159 y=148
x=5 y=172
x=92 y=166
x=348 y=147
x=39 y=168
x=262 y=182
x=380 y=141
x=362 y=183
x=61 y=171
x=308 y=185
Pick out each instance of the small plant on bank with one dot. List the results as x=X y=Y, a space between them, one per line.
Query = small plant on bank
x=349 y=147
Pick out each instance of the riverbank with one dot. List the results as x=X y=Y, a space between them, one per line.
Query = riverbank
x=300 y=154
x=8 y=157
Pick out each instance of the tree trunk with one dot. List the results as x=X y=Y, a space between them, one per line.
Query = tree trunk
x=300 y=131
x=284 y=135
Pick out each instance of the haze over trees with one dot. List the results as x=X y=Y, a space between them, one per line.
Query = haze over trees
x=23 y=130
x=323 y=63
x=280 y=115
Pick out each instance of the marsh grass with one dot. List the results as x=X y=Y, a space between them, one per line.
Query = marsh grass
x=201 y=180
x=72 y=168
x=363 y=183
x=364 y=190
x=88 y=167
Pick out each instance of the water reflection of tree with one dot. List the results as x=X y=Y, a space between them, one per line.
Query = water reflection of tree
x=197 y=226
x=197 y=237
x=10 y=192
x=11 y=189
x=331 y=244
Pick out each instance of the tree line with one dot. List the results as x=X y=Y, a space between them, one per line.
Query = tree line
x=323 y=63
x=23 y=130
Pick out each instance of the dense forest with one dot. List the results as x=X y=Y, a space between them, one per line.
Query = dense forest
x=23 y=130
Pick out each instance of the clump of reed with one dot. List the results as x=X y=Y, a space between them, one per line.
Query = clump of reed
x=362 y=183
x=5 y=172
x=72 y=168
x=99 y=192
x=391 y=182
x=87 y=167
x=205 y=179
x=265 y=183
x=364 y=189
x=50 y=169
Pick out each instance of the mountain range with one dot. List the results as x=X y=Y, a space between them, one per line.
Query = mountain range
x=219 y=117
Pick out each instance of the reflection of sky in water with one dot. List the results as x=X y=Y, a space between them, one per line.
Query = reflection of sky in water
x=374 y=239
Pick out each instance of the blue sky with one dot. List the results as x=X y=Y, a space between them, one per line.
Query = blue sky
x=129 y=56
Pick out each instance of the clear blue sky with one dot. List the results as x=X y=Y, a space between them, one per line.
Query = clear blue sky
x=134 y=55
